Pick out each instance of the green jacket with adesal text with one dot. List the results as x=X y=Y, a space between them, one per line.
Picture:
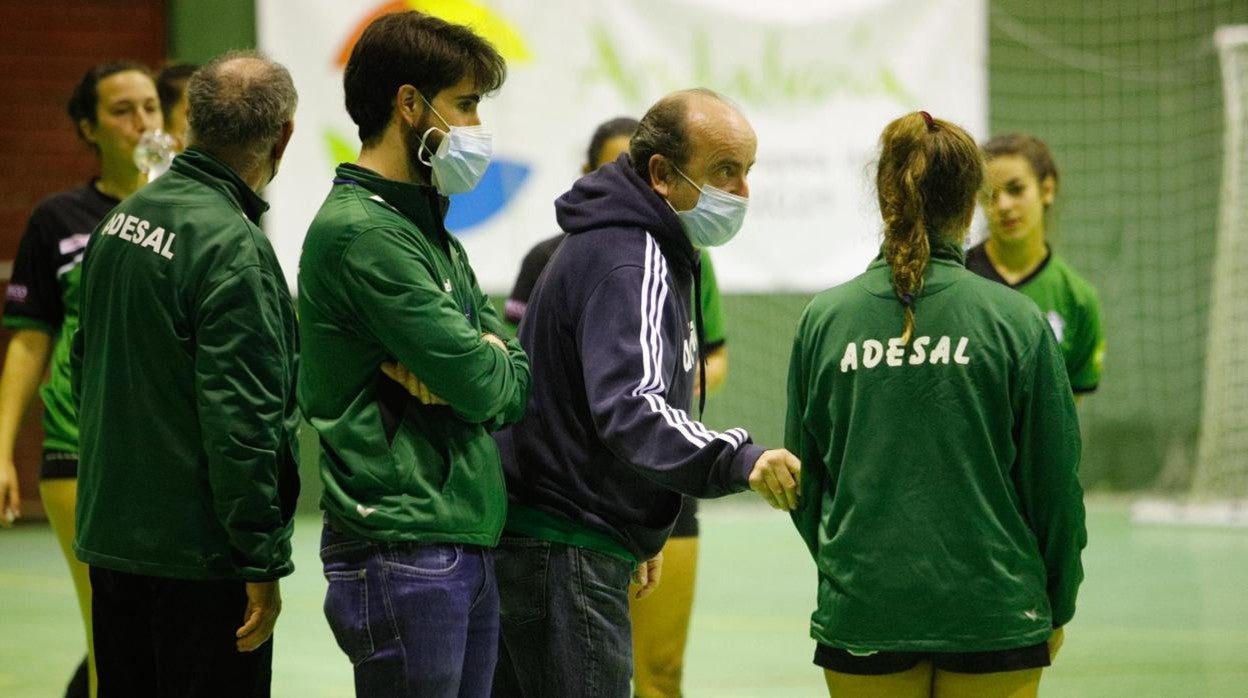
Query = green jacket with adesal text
x=184 y=369
x=380 y=279
x=940 y=496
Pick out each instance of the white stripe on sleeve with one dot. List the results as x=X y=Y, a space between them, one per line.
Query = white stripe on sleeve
x=654 y=291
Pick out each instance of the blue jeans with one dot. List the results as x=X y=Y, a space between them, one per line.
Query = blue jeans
x=414 y=619
x=565 y=627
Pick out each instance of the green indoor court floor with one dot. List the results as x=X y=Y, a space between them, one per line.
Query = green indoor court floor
x=1163 y=612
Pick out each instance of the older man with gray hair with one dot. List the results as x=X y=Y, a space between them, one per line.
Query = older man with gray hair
x=184 y=371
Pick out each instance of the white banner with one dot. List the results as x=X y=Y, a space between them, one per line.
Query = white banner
x=818 y=80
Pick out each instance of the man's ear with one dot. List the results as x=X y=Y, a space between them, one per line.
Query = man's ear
x=408 y=105
x=660 y=172
x=283 y=140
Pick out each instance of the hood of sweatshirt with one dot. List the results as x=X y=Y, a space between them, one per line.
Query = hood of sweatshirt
x=613 y=196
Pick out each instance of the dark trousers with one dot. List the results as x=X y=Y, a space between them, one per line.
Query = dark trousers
x=156 y=636
x=565 y=625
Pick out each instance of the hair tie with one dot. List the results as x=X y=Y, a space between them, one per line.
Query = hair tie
x=927 y=118
x=907 y=299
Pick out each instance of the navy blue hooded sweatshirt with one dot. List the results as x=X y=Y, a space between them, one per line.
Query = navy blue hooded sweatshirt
x=607 y=440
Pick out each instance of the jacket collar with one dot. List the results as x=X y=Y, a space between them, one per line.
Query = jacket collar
x=946 y=255
x=950 y=251
x=614 y=196
x=420 y=203
x=669 y=231
x=209 y=170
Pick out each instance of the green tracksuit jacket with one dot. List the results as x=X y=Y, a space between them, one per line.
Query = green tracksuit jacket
x=184 y=369
x=381 y=280
x=939 y=492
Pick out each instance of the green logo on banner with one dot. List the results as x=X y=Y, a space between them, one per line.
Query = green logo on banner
x=762 y=78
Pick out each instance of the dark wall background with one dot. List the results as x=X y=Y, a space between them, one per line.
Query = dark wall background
x=44 y=50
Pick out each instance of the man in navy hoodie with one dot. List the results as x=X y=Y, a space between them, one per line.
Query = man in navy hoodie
x=596 y=467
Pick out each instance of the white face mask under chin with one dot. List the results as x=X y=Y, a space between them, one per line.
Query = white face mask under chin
x=715 y=219
x=461 y=158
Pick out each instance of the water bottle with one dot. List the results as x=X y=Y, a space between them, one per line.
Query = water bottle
x=154 y=153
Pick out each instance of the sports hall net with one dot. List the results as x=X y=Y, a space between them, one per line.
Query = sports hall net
x=1129 y=98
x=1222 y=462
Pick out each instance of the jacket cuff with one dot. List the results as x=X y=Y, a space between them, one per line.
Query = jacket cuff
x=270 y=574
x=743 y=464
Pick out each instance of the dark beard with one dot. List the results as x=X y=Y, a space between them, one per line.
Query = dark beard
x=411 y=139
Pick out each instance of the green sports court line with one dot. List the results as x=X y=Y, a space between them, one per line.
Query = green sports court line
x=1163 y=613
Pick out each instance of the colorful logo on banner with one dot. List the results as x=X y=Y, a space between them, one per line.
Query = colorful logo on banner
x=505 y=176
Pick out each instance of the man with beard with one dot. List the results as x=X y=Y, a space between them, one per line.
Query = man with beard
x=404 y=372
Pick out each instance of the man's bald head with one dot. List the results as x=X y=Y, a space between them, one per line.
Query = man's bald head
x=692 y=139
x=238 y=105
x=676 y=123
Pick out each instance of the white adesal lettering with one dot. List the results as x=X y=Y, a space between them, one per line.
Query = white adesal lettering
x=155 y=240
x=959 y=355
x=131 y=222
x=892 y=353
x=896 y=352
x=872 y=352
x=920 y=350
x=140 y=232
x=114 y=224
x=849 y=362
x=940 y=355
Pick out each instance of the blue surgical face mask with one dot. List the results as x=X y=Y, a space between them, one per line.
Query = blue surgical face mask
x=461 y=158
x=716 y=218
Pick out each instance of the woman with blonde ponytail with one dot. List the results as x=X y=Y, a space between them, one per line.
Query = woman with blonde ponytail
x=932 y=411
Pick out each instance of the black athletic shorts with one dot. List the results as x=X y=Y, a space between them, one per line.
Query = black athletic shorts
x=687 y=521
x=58 y=465
x=879 y=663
